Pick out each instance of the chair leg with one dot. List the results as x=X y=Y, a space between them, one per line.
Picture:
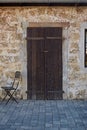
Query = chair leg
x=8 y=93
x=11 y=97
x=5 y=96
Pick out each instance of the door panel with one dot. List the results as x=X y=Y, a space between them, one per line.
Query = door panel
x=44 y=51
x=53 y=69
x=35 y=46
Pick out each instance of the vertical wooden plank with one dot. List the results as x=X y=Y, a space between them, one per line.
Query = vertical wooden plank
x=33 y=70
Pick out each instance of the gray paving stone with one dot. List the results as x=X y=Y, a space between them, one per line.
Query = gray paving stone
x=51 y=129
x=65 y=129
x=78 y=128
x=44 y=115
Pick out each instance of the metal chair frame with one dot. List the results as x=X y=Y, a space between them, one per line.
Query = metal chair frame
x=12 y=88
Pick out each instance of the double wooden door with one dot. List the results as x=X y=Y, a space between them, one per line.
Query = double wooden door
x=44 y=62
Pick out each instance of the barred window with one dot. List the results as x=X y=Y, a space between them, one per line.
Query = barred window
x=85 y=48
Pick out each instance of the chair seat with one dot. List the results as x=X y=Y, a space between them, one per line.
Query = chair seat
x=7 y=88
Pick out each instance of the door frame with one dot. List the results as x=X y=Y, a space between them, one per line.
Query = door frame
x=65 y=43
x=32 y=45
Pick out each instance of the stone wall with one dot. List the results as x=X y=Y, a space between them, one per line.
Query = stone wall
x=13 y=53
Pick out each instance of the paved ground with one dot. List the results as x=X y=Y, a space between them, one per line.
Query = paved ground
x=44 y=115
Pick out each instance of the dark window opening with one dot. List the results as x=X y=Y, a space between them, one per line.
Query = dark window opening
x=85 y=48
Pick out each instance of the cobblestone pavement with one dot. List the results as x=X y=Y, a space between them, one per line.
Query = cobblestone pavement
x=44 y=115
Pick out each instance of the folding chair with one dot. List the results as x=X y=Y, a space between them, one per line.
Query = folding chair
x=11 y=89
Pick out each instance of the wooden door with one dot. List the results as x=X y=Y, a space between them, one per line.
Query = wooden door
x=44 y=60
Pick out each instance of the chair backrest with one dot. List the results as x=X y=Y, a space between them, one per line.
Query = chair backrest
x=16 y=79
x=17 y=74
